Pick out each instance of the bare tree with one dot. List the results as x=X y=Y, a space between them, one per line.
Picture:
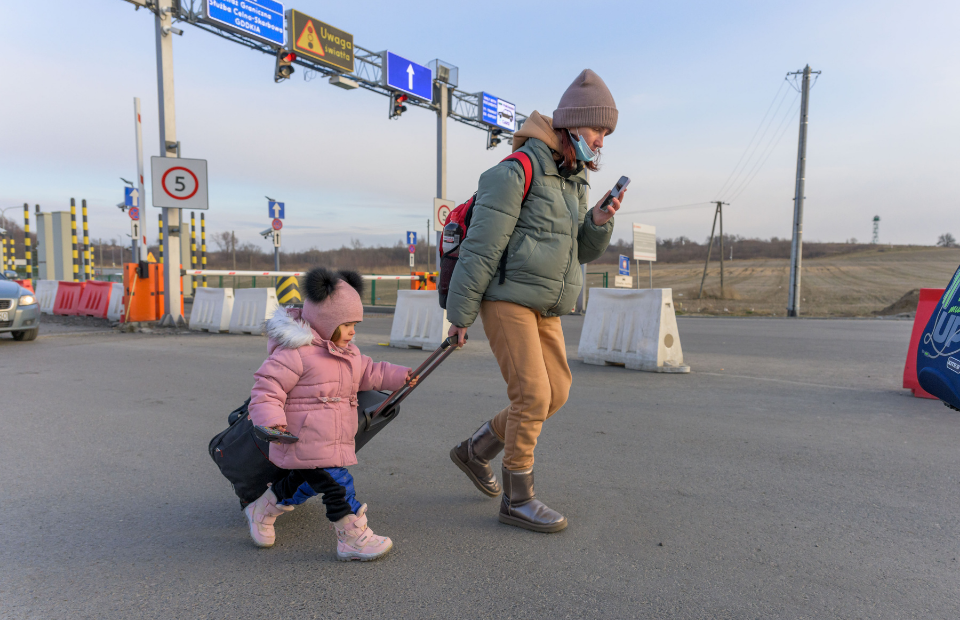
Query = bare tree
x=946 y=240
x=223 y=241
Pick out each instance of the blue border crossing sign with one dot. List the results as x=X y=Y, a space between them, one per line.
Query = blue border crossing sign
x=624 y=265
x=261 y=19
x=407 y=76
x=495 y=111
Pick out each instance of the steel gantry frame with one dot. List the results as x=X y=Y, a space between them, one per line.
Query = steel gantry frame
x=463 y=107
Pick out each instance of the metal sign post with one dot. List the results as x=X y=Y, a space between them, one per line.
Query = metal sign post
x=442 y=112
x=644 y=247
x=170 y=147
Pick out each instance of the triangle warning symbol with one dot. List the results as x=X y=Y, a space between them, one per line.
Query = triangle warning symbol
x=151 y=258
x=309 y=39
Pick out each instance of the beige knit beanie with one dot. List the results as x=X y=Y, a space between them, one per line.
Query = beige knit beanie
x=586 y=103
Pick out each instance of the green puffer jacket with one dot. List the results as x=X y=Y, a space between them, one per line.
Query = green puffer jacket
x=548 y=240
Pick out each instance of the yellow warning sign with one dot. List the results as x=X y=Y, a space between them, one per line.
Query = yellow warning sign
x=320 y=42
x=150 y=258
x=308 y=39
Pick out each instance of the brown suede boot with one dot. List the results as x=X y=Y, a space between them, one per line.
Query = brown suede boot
x=473 y=456
x=520 y=506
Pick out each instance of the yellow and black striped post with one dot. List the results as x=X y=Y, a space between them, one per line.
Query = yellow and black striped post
x=288 y=291
x=203 y=247
x=73 y=240
x=3 y=243
x=26 y=241
x=160 y=217
x=193 y=249
x=87 y=267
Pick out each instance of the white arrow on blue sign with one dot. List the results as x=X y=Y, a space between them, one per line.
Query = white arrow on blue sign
x=624 y=265
x=411 y=237
x=275 y=210
x=131 y=197
x=407 y=76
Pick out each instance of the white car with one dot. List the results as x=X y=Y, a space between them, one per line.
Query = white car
x=19 y=310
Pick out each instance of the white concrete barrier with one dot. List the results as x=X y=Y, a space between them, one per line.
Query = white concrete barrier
x=636 y=328
x=212 y=310
x=251 y=308
x=46 y=295
x=418 y=321
x=115 y=307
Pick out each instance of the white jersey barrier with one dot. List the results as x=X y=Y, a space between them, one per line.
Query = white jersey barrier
x=251 y=308
x=46 y=295
x=212 y=309
x=418 y=320
x=115 y=307
x=636 y=328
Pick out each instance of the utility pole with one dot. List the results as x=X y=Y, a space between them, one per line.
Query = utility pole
x=796 y=247
x=170 y=148
x=717 y=214
x=443 y=110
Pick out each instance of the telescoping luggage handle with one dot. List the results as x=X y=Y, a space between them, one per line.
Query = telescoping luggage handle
x=373 y=415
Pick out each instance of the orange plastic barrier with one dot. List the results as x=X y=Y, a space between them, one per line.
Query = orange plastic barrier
x=27 y=284
x=427 y=281
x=67 y=302
x=929 y=298
x=95 y=300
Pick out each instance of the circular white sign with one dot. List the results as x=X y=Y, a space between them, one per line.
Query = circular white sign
x=442 y=214
x=179 y=183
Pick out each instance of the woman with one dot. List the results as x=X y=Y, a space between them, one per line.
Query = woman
x=541 y=243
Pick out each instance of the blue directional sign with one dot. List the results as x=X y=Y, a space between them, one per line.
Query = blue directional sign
x=275 y=210
x=624 y=265
x=260 y=19
x=407 y=76
x=498 y=112
x=411 y=237
x=131 y=197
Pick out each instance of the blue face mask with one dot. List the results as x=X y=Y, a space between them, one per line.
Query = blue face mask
x=582 y=149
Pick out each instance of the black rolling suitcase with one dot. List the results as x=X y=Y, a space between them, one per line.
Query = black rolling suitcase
x=242 y=456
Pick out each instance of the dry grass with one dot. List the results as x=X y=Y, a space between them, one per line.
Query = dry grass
x=857 y=284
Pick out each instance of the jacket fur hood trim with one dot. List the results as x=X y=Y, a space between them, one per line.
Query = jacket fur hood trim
x=288 y=332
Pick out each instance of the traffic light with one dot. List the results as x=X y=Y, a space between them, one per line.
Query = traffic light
x=284 y=68
x=493 y=138
x=396 y=104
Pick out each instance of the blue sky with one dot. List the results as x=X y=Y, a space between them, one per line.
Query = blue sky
x=692 y=81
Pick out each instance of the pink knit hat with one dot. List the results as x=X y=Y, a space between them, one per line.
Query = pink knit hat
x=332 y=298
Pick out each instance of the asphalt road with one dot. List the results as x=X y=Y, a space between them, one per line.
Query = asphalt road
x=787 y=476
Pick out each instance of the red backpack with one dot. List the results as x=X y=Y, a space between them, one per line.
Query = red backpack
x=457 y=224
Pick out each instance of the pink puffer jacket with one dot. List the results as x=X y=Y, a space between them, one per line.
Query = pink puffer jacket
x=311 y=386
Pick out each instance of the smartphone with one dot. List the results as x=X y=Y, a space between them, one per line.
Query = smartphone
x=616 y=192
x=274 y=435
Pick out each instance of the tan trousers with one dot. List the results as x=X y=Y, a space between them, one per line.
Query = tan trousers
x=533 y=359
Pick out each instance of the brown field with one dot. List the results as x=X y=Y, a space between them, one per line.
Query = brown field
x=857 y=284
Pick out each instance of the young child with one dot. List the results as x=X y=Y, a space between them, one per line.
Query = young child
x=308 y=386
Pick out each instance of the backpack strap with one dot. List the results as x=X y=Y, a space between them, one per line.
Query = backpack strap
x=527 y=165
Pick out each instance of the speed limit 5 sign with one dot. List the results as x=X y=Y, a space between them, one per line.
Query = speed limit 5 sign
x=179 y=183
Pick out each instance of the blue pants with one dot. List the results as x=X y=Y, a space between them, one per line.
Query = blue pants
x=335 y=484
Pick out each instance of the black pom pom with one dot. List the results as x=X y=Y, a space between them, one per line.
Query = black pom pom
x=319 y=283
x=352 y=278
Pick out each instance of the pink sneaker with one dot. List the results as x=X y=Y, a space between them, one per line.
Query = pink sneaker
x=356 y=541
x=261 y=514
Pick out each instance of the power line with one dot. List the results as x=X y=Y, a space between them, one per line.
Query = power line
x=765 y=155
x=755 y=146
x=742 y=155
x=677 y=207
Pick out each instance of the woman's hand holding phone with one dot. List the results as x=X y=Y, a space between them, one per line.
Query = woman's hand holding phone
x=602 y=216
